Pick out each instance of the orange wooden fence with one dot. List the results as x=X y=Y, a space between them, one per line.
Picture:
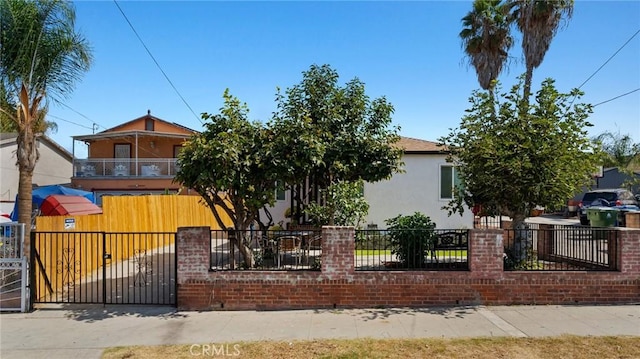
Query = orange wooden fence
x=121 y=214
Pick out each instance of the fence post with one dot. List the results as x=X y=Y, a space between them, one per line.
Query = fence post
x=104 y=269
x=32 y=272
x=338 y=246
x=612 y=248
x=545 y=241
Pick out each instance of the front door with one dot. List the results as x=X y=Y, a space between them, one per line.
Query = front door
x=122 y=155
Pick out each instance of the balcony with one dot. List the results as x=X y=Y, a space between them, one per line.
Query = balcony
x=125 y=168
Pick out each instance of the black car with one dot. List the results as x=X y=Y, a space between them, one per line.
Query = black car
x=605 y=198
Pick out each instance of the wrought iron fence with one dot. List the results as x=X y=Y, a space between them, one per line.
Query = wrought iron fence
x=440 y=249
x=13 y=268
x=105 y=268
x=561 y=248
x=266 y=250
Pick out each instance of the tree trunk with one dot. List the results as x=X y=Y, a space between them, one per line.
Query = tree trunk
x=523 y=244
x=236 y=238
x=27 y=155
x=528 y=77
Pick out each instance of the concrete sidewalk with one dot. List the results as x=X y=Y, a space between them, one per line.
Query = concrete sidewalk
x=85 y=331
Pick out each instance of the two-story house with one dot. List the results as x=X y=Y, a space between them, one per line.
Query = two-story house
x=136 y=157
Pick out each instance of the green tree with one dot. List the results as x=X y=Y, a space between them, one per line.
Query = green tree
x=513 y=161
x=355 y=132
x=344 y=201
x=620 y=151
x=235 y=165
x=41 y=58
x=486 y=39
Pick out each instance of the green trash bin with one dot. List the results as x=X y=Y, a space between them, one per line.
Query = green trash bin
x=602 y=216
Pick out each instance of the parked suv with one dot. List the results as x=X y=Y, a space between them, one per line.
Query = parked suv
x=605 y=198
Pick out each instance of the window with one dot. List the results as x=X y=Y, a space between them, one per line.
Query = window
x=448 y=181
x=176 y=150
x=122 y=150
x=148 y=124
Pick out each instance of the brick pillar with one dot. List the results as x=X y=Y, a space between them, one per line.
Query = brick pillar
x=338 y=248
x=193 y=250
x=486 y=252
x=546 y=241
x=629 y=251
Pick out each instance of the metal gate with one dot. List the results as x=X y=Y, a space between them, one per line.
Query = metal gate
x=13 y=268
x=104 y=268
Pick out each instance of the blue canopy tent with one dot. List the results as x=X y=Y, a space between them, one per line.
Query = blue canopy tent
x=41 y=193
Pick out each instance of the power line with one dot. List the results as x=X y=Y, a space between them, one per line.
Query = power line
x=617 y=97
x=156 y=62
x=69 y=107
x=609 y=59
x=71 y=122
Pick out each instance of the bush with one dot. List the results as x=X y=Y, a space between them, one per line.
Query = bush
x=411 y=237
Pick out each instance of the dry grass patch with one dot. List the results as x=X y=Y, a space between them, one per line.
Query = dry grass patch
x=489 y=348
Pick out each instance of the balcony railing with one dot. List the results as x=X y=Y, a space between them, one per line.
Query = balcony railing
x=125 y=167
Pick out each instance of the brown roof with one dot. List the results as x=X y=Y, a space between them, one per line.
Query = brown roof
x=413 y=145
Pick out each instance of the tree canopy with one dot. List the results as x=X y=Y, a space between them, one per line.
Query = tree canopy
x=355 y=132
x=619 y=150
x=512 y=161
x=331 y=133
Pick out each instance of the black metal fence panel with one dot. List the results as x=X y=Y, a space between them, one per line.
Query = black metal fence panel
x=438 y=249
x=561 y=248
x=104 y=268
x=266 y=250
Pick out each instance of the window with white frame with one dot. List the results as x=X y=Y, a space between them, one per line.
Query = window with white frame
x=448 y=181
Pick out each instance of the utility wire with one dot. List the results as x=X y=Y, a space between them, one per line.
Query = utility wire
x=609 y=59
x=71 y=122
x=600 y=68
x=617 y=97
x=69 y=107
x=156 y=62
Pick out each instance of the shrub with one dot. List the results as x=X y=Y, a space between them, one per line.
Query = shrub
x=410 y=238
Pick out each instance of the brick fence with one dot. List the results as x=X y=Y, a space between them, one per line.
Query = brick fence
x=338 y=285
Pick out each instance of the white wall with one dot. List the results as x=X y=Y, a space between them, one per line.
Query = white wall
x=416 y=190
x=51 y=168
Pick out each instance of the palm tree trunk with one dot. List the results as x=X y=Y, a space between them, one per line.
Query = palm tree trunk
x=27 y=155
x=527 y=86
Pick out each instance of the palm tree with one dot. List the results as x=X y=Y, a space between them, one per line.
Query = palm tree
x=538 y=21
x=41 y=58
x=620 y=150
x=486 y=39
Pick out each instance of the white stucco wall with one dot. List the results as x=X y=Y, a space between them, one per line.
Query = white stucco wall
x=51 y=168
x=415 y=190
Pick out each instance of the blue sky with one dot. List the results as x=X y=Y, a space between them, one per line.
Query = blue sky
x=408 y=52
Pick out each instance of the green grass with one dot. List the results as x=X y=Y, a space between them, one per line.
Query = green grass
x=387 y=252
x=373 y=252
